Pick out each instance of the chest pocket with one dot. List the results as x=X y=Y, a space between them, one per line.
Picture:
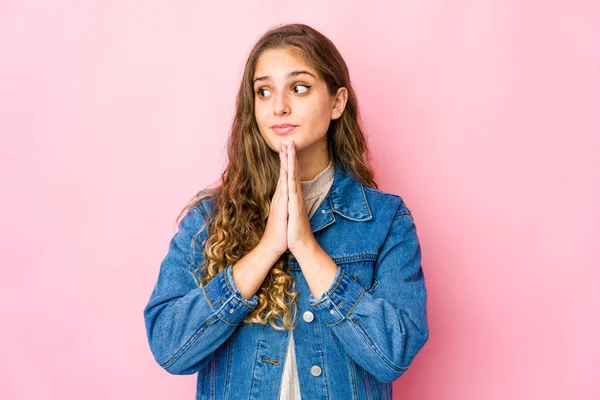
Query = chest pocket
x=360 y=267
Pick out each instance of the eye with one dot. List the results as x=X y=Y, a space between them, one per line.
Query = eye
x=259 y=91
x=304 y=86
x=302 y=91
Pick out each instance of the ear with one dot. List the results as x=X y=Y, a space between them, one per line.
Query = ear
x=339 y=103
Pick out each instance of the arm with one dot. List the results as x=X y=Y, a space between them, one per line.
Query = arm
x=186 y=324
x=382 y=331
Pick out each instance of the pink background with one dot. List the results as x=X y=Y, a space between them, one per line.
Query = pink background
x=483 y=115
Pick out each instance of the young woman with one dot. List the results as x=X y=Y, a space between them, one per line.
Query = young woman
x=297 y=227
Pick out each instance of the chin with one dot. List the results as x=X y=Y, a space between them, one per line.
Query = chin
x=284 y=140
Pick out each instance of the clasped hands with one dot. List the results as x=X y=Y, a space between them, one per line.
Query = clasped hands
x=288 y=226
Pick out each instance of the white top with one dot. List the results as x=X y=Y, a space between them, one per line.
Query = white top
x=314 y=192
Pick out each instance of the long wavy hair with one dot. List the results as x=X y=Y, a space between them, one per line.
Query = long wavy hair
x=242 y=200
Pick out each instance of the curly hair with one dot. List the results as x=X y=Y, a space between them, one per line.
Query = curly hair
x=248 y=183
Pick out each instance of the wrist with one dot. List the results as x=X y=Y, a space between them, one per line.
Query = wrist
x=267 y=253
x=307 y=248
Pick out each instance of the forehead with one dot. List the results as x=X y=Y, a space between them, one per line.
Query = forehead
x=276 y=62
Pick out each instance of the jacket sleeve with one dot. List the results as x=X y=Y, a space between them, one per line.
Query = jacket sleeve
x=185 y=324
x=382 y=331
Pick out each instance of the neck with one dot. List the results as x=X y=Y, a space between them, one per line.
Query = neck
x=311 y=161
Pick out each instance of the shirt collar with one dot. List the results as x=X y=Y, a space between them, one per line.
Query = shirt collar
x=319 y=184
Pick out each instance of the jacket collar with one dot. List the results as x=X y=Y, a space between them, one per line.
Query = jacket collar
x=346 y=197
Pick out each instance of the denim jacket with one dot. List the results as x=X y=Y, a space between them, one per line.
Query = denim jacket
x=351 y=343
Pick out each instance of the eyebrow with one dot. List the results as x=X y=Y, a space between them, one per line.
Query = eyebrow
x=293 y=73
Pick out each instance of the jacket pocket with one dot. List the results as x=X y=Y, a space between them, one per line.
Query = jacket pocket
x=361 y=268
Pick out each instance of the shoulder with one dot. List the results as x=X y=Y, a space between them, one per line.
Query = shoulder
x=205 y=202
x=386 y=201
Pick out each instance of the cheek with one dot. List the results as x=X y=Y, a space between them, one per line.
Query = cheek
x=261 y=118
x=258 y=114
x=320 y=115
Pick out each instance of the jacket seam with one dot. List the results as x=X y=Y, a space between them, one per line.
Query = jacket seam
x=171 y=359
x=216 y=312
x=362 y=291
x=377 y=351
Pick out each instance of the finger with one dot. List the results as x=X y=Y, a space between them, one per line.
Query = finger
x=296 y=177
x=300 y=204
x=285 y=172
x=297 y=172
x=280 y=178
x=291 y=172
x=293 y=200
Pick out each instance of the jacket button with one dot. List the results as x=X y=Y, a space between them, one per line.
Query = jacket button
x=315 y=370
x=308 y=316
x=231 y=311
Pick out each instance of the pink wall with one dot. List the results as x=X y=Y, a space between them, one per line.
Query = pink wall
x=483 y=115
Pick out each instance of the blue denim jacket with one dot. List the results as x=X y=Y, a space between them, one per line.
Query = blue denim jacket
x=351 y=343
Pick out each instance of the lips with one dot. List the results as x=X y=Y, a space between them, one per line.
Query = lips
x=283 y=129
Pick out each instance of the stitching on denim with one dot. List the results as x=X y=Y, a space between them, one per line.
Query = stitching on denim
x=175 y=356
x=229 y=362
x=208 y=300
x=227 y=283
x=398 y=216
x=362 y=291
x=337 y=283
x=367 y=386
x=227 y=322
x=372 y=189
x=216 y=311
x=405 y=213
x=345 y=259
x=362 y=190
x=234 y=294
x=335 y=323
x=255 y=364
x=354 y=381
x=319 y=339
x=213 y=370
x=243 y=302
x=355 y=257
x=378 y=351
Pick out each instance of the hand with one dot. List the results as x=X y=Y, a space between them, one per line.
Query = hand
x=274 y=238
x=299 y=231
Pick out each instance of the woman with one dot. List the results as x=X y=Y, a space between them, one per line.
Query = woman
x=297 y=227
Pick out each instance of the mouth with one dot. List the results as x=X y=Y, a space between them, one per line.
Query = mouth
x=283 y=129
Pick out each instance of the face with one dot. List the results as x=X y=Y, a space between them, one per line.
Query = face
x=288 y=91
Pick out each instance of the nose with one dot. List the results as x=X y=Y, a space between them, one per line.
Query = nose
x=281 y=104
